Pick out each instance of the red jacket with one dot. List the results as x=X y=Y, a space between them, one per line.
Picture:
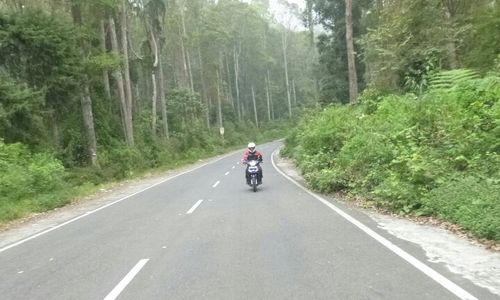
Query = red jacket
x=251 y=156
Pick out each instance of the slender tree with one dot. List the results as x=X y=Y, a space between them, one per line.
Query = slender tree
x=353 y=78
x=126 y=67
x=236 y=53
x=219 y=102
x=267 y=97
x=185 y=48
x=118 y=76
x=105 y=73
x=285 y=62
x=86 y=100
x=255 y=108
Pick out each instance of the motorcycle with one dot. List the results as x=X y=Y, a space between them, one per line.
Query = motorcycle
x=253 y=170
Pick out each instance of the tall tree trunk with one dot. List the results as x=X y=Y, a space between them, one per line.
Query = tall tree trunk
x=219 y=104
x=153 y=103
x=310 y=21
x=154 y=99
x=204 y=88
x=185 y=72
x=86 y=101
x=118 y=76
x=190 y=72
x=267 y=97
x=126 y=70
x=229 y=83
x=163 y=101
x=255 y=108
x=105 y=74
x=54 y=126
x=88 y=121
x=236 y=81
x=287 y=84
x=185 y=49
x=450 y=40
x=351 y=63
x=294 y=93
x=270 y=95
x=158 y=78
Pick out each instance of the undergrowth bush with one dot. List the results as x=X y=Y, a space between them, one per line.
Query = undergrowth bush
x=24 y=176
x=471 y=202
x=406 y=153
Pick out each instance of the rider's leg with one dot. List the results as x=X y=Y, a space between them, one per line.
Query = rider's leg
x=247 y=176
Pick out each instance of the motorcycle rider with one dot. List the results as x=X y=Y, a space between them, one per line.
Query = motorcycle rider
x=252 y=154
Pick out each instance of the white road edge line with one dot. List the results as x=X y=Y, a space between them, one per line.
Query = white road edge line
x=227 y=173
x=109 y=204
x=216 y=184
x=434 y=275
x=126 y=280
x=194 y=207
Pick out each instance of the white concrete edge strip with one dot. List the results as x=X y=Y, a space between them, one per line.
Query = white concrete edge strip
x=446 y=283
x=126 y=280
x=216 y=184
x=194 y=207
x=108 y=205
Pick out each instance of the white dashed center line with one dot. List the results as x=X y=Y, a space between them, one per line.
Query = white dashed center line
x=216 y=184
x=227 y=173
x=194 y=207
x=126 y=280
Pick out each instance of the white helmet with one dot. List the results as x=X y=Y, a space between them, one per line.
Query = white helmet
x=251 y=147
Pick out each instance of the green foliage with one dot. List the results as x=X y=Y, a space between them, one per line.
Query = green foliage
x=104 y=62
x=405 y=44
x=42 y=51
x=405 y=152
x=471 y=202
x=334 y=83
x=481 y=43
x=41 y=62
x=24 y=177
x=185 y=109
x=20 y=117
x=121 y=162
x=448 y=79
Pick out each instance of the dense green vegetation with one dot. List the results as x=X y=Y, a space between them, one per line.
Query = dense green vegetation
x=425 y=137
x=437 y=154
x=102 y=90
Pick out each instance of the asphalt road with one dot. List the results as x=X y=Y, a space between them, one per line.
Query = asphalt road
x=206 y=235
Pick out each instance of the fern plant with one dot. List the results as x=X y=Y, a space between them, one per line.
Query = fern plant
x=447 y=79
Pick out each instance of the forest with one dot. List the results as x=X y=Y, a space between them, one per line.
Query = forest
x=394 y=101
x=100 y=90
